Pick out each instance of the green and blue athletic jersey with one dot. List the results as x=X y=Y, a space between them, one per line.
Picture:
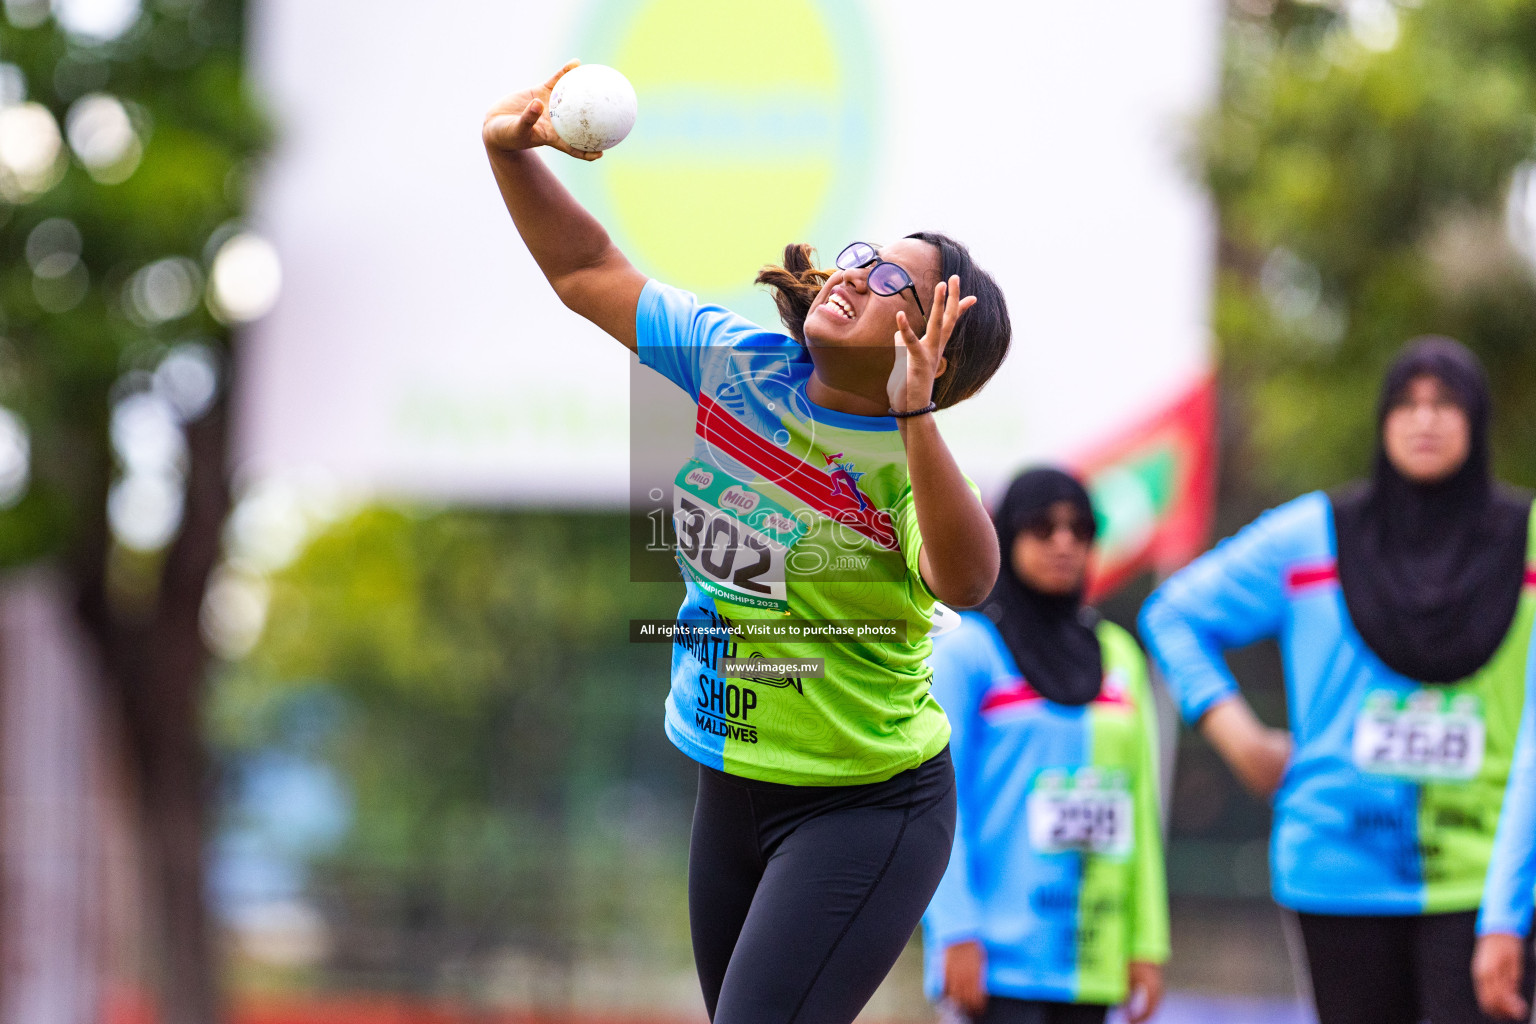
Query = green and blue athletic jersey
x=1057 y=866
x=1508 y=893
x=798 y=522
x=1391 y=798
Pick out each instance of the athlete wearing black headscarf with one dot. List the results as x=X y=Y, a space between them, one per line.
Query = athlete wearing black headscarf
x=1432 y=572
x=1051 y=636
x=1403 y=687
x=1053 y=723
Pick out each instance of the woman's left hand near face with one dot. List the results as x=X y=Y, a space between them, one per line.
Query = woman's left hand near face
x=918 y=360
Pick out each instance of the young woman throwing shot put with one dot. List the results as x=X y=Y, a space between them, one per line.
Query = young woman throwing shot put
x=820 y=489
x=1054 y=907
x=1404 y=619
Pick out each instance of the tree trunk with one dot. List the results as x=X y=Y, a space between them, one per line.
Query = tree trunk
x=155 y=664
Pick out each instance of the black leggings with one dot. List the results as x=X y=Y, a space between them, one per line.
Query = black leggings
x=1003 y=1010
x=1394 y=970
x=801 y=898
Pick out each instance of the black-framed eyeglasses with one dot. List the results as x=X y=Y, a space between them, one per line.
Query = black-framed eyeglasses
x=884 y=278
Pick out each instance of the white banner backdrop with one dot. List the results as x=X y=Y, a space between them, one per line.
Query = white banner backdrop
x=417 y=351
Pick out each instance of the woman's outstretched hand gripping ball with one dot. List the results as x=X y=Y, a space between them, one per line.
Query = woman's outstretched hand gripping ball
x=592 y=108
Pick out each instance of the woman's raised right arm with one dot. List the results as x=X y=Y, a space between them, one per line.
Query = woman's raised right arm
x=582 y=264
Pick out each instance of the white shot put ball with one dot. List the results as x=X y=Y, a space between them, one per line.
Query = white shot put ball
x=592 y=107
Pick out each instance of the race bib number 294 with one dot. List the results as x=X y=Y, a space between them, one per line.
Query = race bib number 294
x=731 y=539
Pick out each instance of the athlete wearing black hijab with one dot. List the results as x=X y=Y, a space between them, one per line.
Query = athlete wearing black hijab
x=1054 y=905
x=1051 y=635
x=1404 y=621
x=1432 y=571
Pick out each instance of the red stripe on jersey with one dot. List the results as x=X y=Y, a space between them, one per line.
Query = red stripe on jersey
x=1112 y=695
x=1303 y=576
x=1315 y=575
x=1015 y=692
x=811 y=485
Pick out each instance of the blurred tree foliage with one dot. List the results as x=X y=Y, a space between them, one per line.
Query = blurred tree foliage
x=179 y=72
x=1362 y=159
x=125 y=146
x=500 y=738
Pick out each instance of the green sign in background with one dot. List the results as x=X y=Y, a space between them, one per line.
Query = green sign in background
x=753 y=132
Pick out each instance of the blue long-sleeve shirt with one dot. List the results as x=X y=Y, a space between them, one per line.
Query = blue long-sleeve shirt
x=1391 y=798
x=1057 y=865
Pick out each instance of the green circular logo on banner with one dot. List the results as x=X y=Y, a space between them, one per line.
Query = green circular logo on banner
x=756 y=128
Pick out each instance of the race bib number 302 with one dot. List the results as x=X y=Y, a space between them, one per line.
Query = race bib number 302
x=732 y=540
x=1084 y=810
x=1422 y=735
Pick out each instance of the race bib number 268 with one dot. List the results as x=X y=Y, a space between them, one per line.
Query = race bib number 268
x=1426 y=735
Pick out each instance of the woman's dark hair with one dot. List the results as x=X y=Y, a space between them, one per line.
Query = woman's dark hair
x=980 y=339
x=795 y=286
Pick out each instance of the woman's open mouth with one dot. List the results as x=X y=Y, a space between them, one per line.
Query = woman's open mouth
x=837 y=304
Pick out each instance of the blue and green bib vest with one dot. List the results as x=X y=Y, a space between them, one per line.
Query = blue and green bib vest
x=1391 y=799
x=1057 y=867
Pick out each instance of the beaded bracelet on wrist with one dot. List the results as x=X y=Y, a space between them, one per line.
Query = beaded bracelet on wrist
x=930 y=407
